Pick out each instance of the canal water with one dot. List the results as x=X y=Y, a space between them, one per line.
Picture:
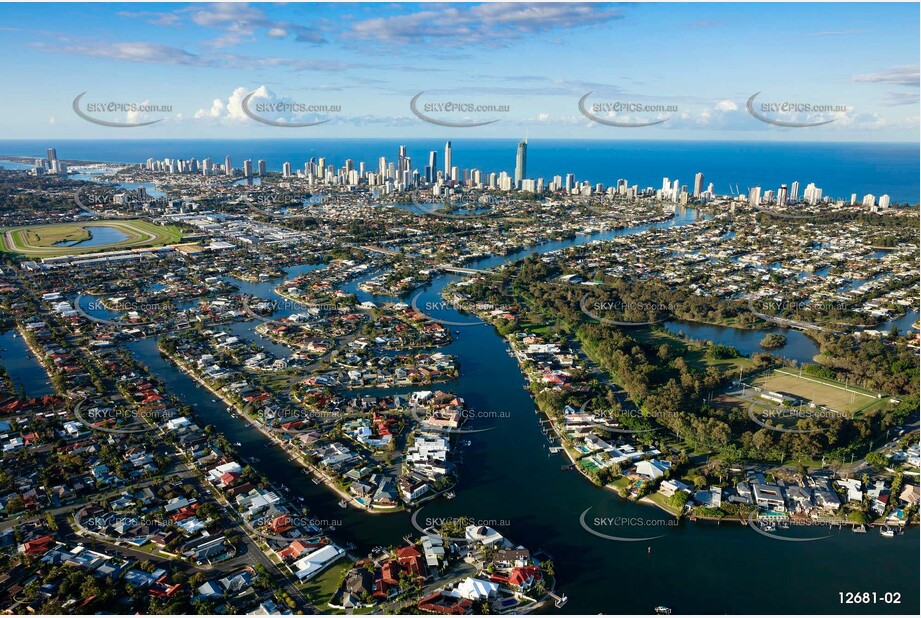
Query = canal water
x=509 y=479
x=23 y=368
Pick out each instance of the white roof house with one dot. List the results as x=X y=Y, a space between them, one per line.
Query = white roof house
x=475 y=589
x=482 y=534
x=652 y=468
x=313 y=563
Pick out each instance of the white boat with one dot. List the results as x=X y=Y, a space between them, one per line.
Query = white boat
x=887 y=532
x=237 y=444
x=661 y=609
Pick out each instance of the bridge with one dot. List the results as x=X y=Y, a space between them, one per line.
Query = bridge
x=462 y=271
x=785 y=322
x=376 y=249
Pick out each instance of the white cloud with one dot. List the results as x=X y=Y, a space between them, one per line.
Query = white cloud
x=137 y=116
x=232 y=109
x=903 y=76
x=495 y=24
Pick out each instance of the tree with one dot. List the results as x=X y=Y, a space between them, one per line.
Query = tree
x=877 y=460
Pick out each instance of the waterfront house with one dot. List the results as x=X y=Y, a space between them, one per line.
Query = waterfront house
x=853 y=487
x=670 y=487
x=910 y=495
x=651 y=469
x=799 y=498
x=509 y=558
x=769 y=496
x=483 y=534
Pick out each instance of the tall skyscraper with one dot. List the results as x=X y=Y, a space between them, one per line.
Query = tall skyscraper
x=228 y=166
x=794 y=191
x=812 y=194
x=433 y=166
x=698 y=184
x=521 y=162
x=570 y=182
x=248 y=168
x=782 y=195
x=261 y=167
x=286 y=169
x=448 y=159
x=754 y=196
x=52 y=156
x=401 y=162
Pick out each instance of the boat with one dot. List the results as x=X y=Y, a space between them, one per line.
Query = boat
x=887 y=532
x=861 y=528
x=450 y=495
x=237 y=444
x=343 y=503
x=661 y=609
x=768 y=527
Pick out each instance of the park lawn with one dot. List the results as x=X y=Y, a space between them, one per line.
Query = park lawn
x=320 y=589
x=662 y=502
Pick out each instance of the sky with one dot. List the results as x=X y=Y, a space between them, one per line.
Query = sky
x=220 y=70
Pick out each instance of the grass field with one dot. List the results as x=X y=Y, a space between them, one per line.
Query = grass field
x=42 y=241
x=320 y=589
x=819 y=391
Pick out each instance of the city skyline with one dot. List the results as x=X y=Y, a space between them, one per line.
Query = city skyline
x=365 y=64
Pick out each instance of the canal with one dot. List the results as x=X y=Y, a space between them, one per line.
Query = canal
x=26 y=373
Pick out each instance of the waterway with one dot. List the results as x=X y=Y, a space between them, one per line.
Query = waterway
x=509 y=478
x=23 y=368
x=99 y=235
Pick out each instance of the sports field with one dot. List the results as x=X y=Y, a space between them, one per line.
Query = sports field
x=818 y=391
x=44 y=241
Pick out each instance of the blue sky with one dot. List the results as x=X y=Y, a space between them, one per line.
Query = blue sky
x=697 y=64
